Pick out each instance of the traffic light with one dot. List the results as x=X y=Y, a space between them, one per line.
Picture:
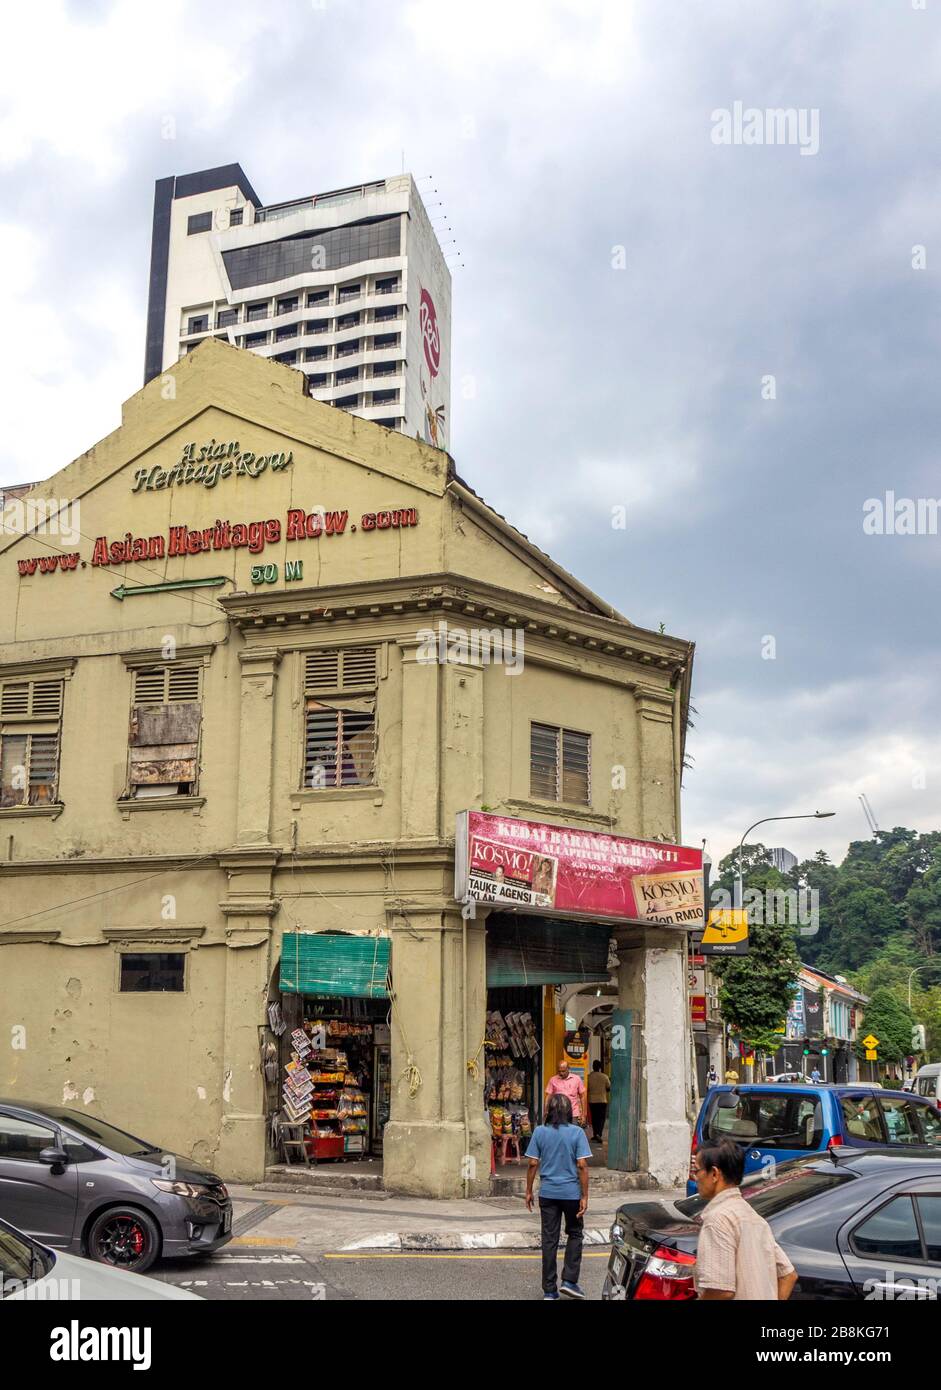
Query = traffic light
x=824 y=1052
x=806 y=1051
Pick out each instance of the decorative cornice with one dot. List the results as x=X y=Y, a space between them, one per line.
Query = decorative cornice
x=562 y=809
x=159 y=803
x=257 y=656
x=27 y=938
x=463 y=601
x=163 y=934
x=53 y=811
x=47 y=667
x=154 y=656
x=266 y=907
x=249 y=857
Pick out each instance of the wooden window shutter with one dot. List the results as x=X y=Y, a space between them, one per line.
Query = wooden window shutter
x=544 y=762
x=340 y=668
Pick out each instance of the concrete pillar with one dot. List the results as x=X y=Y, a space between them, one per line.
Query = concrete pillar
x=256 y=744
x=426 y=1151
x=655 y=741
x=421 y=742
x=249 y=910
x=652 y=984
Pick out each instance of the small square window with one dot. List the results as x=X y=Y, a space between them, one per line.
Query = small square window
x=199 y=222
x=199 y=324
x=235 y=217
x=152 y=972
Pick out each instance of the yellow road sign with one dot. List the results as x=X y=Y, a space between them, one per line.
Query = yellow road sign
x=726 y=932
x=870 y=1042
x=871 y=1055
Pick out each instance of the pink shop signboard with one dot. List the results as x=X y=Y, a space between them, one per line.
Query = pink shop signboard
x=565 y=871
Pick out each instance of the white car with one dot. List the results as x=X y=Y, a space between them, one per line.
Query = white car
x=32 y=1272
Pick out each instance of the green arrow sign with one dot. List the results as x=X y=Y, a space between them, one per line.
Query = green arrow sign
x=123 y=592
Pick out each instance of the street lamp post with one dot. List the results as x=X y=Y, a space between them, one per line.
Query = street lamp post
x=810 y=815
x=916 y=971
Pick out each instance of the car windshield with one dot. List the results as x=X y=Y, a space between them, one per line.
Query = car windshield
x=20 y=1261
x=771 y=1119
x=91 y=1128
x=768 y=1196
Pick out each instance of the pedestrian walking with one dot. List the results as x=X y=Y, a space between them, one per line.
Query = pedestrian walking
x=815 y=1076
x=559 y=1151
x=566 y=1083
x=599 y=1089
x=713 y=1078
x=738 y=1257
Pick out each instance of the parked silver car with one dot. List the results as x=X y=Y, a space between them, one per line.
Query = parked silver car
x=78 y=1184
x=30 y=1272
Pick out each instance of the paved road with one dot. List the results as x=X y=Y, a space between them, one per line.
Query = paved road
x=261 y=1273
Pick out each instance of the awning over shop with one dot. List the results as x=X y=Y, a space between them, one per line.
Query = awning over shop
x=525 y=950
x=332 y=964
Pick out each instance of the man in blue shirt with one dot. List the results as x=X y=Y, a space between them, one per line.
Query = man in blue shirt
x=560 y=1152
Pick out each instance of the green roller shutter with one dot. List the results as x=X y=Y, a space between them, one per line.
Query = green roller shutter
x=525 y=950
x=332 y=964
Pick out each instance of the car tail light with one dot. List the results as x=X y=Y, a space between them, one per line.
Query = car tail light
x=668 y=1275
x=692 y=1156
x=835 y=1143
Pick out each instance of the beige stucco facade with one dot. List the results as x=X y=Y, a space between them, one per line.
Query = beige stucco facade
x=220 y=873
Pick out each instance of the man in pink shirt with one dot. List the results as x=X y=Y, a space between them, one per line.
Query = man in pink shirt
x=566 y=1083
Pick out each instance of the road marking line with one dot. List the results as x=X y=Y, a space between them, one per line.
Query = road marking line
x=455 y=1255
x=265 y=1241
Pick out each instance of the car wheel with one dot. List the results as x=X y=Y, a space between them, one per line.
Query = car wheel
x=125 y=1238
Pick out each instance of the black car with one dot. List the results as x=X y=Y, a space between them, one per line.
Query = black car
x=79 y=1185
x=855 y=1224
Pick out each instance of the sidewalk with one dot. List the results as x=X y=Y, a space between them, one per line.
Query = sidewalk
x=351 y=1221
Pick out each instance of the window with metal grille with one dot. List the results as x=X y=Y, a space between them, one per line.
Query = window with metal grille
x=340 y=717
x=559 y=764
x=30 y=728
x=163 y=741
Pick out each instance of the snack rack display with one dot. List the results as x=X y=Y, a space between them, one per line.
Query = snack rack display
x=341 y=1076
x=511 y=1047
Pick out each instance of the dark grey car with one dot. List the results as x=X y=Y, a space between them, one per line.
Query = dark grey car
x=78 y=1184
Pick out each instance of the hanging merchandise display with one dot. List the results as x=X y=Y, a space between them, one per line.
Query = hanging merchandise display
x=511 y=1045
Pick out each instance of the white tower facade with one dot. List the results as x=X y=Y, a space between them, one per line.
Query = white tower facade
x=350 y=287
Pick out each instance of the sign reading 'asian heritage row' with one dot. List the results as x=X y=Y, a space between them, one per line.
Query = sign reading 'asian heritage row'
x=252 y=536
x=537 y=867
x=210 y=465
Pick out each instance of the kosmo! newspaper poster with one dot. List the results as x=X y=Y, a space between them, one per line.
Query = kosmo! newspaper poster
x=550 y=868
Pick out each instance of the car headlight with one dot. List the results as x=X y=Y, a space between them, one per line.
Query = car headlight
x=180 y=1189
x=617 y=1232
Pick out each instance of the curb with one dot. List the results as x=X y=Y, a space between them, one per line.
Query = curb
x=464 y=1240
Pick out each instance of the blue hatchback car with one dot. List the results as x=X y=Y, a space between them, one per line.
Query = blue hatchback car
x=774 y=1121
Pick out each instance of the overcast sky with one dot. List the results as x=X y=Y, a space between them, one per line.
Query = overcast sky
x=629 y=287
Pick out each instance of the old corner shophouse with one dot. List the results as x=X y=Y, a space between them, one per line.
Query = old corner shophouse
x=195 y=779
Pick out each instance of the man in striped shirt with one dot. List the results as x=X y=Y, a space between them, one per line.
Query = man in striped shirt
x=737 y=1257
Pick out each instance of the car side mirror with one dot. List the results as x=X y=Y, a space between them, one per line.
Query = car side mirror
x=56 y=1158
x=727 y=1100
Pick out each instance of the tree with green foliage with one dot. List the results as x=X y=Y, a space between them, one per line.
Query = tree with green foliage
x=889 y=1020
x=756 y=990
x=859 y=915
